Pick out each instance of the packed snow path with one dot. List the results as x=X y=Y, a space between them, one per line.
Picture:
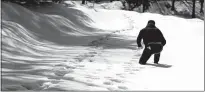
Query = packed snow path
x=106 y=59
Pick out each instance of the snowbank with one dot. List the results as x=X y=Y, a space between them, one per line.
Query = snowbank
x=115 y=5
x=34 y=40
x=183 y=8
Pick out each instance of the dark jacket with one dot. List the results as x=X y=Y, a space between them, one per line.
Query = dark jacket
x=150 y=34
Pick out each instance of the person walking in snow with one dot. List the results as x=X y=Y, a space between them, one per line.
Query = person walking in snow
x=153 y=40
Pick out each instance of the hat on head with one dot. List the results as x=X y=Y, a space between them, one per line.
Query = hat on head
x=151 y=22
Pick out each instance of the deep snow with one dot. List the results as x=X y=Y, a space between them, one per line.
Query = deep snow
x=81 y=48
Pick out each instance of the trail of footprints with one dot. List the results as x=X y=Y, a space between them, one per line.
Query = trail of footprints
x=60 y=70
x=102 y=40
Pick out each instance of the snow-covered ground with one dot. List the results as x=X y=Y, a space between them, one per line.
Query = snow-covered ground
x=81 y=48
x=115 y=5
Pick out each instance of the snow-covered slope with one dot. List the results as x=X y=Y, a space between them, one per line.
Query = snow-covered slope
x=115 y=5
x=79 y=48
x=182 y=8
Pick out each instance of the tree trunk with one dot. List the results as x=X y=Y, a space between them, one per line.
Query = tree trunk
x=83 y=1
x=145 y=5
x=202 y=5
x=193 y=10
x=173 y=7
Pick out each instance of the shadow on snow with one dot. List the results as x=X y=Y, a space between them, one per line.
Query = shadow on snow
x=160 y=65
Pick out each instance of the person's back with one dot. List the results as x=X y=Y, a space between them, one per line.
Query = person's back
x=151 y=34
x=153 y=40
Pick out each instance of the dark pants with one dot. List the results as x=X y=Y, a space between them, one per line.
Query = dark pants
x=154 y=49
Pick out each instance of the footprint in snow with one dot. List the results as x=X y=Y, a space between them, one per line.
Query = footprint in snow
x=61 y=71
x=121 y=75
x=60 y=64
x=99 y=69
x=118 y=74
x=92 y=52
x=112 y=89
x=122 y=87
x=79 y=59
x=70 y=67
x=116 y=80
x=107 y=77
x=55 y=81
x=80 y=65
x=135 y=69
x=89 y=80
x=141 y=67
x=66 y=66
x=67 y=77
x=132 y=73
x=107 y=83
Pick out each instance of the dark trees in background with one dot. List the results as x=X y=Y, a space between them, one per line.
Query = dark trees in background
x=145 y=4
x=57 y=1
x=193 y=9
x=83 y=1
x=33 y=2
x=173 y=3
x=131 y=4
x=202 y=5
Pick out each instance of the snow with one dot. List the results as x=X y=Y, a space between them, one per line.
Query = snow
x=115 y=5
x=95 y=50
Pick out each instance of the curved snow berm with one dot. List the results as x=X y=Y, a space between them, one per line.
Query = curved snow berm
x=56 y=28
x=78 y=48
x=35 y=41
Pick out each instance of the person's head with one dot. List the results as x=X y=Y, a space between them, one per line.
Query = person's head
x=151 y=23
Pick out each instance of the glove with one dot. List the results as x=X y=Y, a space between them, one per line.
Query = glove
x=138 y=48
x=149 y=47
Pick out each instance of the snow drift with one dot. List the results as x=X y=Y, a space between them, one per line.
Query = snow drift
x=32 y=42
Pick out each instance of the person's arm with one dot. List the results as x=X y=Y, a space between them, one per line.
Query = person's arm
x=162 y=38
x=139 y=38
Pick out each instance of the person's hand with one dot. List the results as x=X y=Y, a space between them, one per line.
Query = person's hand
x=149 y=47
x=139 y=48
